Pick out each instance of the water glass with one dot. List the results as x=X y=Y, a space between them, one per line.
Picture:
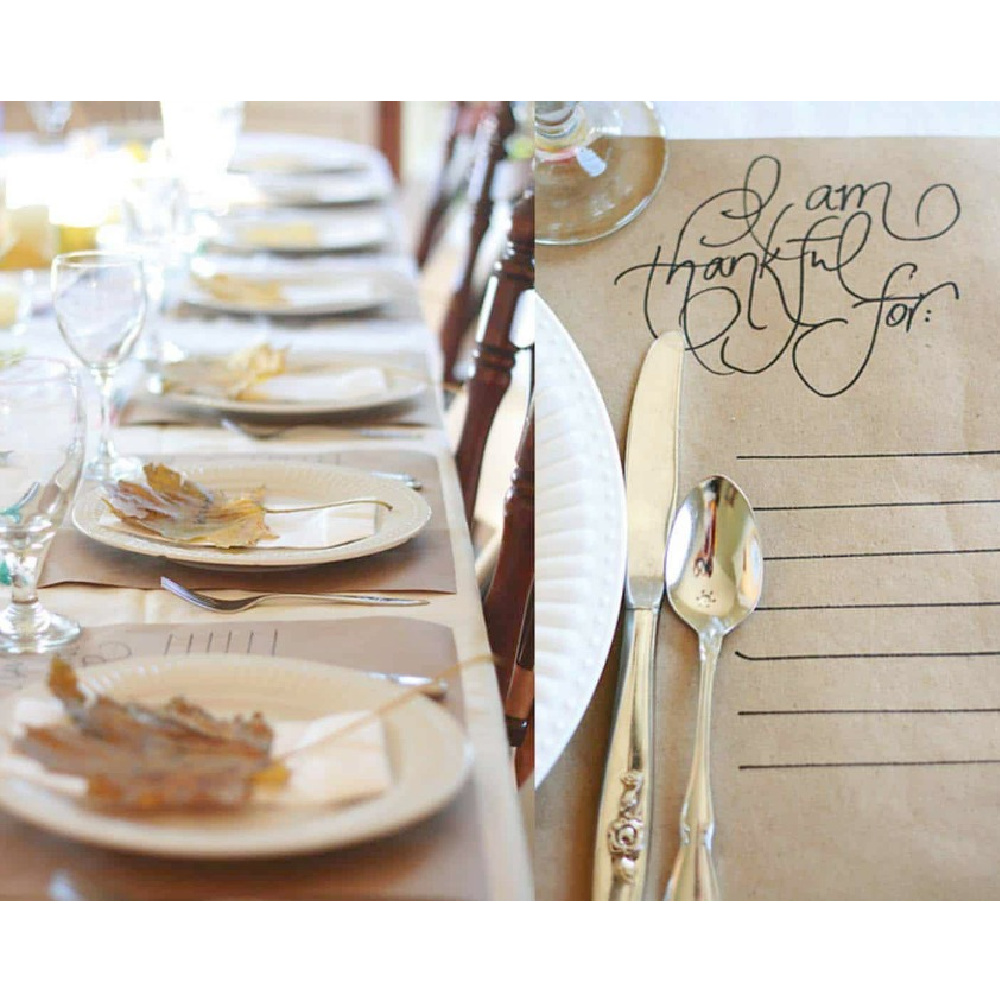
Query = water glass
x=99 y=300
x=42 y=441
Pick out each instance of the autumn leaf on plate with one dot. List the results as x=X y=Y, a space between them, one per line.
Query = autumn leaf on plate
x=175 y=509
x=232 y=376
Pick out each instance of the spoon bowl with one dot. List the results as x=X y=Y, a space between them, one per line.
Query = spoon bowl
x=714 y=564
x=714 y=574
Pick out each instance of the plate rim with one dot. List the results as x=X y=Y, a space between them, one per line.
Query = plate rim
x=316 y=842
x=302 y=408
x=570 y=365
x=89 y=495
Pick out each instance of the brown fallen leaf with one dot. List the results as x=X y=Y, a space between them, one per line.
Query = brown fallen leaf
x=141 y=758
x=171 y=507
x=232 y=376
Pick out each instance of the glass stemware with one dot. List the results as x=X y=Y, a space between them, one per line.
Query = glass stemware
x=155 y=229
x=597 y=165
x=99 y=300
x=42 y=441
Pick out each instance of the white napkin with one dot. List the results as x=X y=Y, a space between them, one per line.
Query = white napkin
x=322 y=772
x=327 y=527
x=336 y=291
x=351 y=384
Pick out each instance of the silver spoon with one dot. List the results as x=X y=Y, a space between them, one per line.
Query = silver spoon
x=714 y=576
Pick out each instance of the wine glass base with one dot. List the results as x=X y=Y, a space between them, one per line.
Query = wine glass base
x=107 y=471
x=597 y=170
x=45 y=632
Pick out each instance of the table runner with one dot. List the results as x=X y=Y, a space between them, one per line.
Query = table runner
x=839 y=300
x=441 y=857
x=424 y=563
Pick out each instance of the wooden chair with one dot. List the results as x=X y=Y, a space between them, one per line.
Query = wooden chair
x=495 y=352
x=465 y=303
x=463 y=121
x=519 y=706
x=507 y=598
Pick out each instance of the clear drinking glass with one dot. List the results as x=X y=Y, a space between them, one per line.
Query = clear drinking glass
x=42 y=440
x=156 y=230
x=100 y=305
x=50 y=117
x=597 y=165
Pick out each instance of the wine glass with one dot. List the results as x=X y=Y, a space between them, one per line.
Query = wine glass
x=42 y=439
x=99 y=300
x=597 y=165
x=155 y=229
x=50 y=117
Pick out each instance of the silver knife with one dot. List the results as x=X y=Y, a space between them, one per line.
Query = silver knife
x=621 y=856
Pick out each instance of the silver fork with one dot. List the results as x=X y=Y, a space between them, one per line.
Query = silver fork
x=265 y=432
x=228 y=605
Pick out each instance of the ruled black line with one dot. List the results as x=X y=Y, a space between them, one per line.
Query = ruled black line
x=250 y=642
x=229 y=641
x=274 y=642
x=853 y=656
x=819 y=713
x=190 y=642
x=208 y=646
x=888 y=553
x=876 y=504
x=871 y=765
x=878 y=605
x=170 y=640
x=877 y=455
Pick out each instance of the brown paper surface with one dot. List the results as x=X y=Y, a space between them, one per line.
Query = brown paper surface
x=438 y=858
x=424 y=563
x=146 y=409
x=840 y=302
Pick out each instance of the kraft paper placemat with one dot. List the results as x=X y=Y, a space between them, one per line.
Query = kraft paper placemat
x=840 y=302
x=424 y=563
x=148 y=409
x=441 y=857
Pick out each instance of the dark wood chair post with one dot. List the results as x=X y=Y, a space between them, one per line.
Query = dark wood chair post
x=494 y=131
x=495 y=353
x=519 y=706
x=507 y=598
x=390 y=134
x=443 y=190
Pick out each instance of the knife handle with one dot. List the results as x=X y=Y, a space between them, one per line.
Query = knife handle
x=620 y=857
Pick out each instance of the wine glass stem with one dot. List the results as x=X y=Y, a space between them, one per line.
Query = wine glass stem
x=105 y=450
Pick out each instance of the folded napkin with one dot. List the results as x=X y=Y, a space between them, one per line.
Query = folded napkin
x=324 y=770
x=351 y=384
x=313 y=529
x=280 y=235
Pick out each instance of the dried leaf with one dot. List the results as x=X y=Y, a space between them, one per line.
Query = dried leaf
x=171 y=507
x=231 y=377
x=140 y=758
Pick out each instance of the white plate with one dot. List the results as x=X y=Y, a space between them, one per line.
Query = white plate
x=333 y=230
x=429 y=754
x=402 y=385
x=286 y=480
x=579 y=539
x=316 y=295
x=315 y=190
x=291 y=155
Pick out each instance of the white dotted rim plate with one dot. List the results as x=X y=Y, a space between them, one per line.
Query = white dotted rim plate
x=429 y=755
x=580 y=538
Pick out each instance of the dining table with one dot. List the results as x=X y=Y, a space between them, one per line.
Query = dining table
x=473 y=845
x=830 y=271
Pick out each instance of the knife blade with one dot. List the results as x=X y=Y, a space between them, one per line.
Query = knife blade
x=621 y=856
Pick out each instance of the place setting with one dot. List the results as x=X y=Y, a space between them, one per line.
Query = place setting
x=232 y=668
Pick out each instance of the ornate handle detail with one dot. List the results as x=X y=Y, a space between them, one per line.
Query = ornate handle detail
x=620 y=862
x=627 y=833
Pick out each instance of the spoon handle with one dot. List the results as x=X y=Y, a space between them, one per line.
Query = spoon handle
x=620 y=858
x=693 y=877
